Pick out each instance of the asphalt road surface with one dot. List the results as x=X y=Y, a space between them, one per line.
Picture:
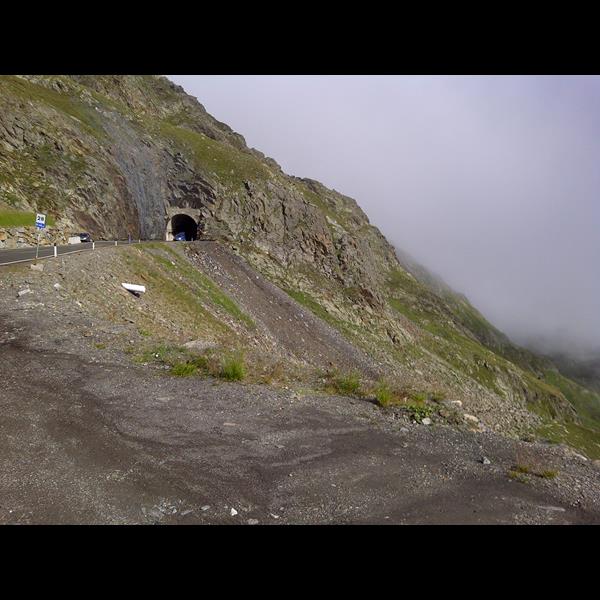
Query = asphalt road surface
x=8 y=257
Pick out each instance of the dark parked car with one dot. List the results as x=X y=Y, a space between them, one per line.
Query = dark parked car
x=85 y=237
x=180 y=237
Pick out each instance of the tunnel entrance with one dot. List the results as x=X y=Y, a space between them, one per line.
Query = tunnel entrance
x=184 y=224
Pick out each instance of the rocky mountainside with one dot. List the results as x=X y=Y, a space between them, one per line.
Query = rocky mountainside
x=124 y=155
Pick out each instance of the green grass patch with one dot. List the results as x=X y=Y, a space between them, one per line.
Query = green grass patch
x=384 y=394
x=202 y=284
x=583 y=439
x=231 y=166
x=19 y=218
x=420 y=398
x=179 y=297
x=184 y=369
x=233 y=368
x=585 y=402
x=347 y=384
x=342 y=383
x=519 y=472
x=184 y=363
x=67 y=103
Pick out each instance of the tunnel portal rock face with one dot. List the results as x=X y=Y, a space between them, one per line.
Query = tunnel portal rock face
x=183 y=220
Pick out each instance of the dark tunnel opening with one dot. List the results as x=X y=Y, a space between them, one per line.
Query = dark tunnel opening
x=184 y=224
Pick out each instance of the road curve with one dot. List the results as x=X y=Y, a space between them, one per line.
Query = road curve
x=18 y=255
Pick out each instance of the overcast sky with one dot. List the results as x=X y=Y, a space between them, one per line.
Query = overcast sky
x=492 y=182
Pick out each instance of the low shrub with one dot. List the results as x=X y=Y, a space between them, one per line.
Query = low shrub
x=418 y=412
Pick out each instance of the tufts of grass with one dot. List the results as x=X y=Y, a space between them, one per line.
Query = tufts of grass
x=517 y=476
x=345 y=384
x=420 y=398
x=416 y=403
x=100 y=346
x=184 y=369
x=184 y=363
x=233 y=368
x=521 y=469
x=349 y=384
x=383 y=394
x=529 y=464
x=519 y=473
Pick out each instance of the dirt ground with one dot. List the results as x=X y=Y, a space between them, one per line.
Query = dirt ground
x=99 y=443
x=89 y=437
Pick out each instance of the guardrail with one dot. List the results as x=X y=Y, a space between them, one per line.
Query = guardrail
x=20 y=255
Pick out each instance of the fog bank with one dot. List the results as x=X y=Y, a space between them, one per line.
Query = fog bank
x=492 y=182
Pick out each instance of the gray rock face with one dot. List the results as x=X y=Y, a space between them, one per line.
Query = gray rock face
x=110 y=154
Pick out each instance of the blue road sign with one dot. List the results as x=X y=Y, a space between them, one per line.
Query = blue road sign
x=40 y=221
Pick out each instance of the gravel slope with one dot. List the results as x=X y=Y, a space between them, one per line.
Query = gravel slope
x=89 y=437
x=291 y=327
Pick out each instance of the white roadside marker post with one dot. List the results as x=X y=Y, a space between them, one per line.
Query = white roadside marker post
x=93 y=245
x=55 y=250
